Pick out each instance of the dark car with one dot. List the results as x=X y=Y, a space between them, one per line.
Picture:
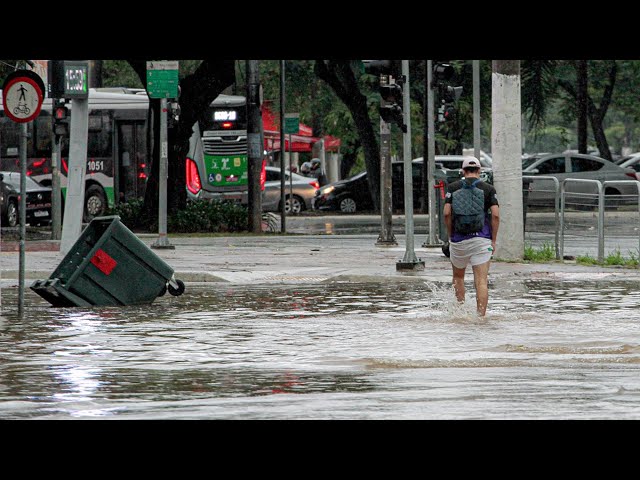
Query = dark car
x=348 y=196
x=38 y=200
x=353 y=194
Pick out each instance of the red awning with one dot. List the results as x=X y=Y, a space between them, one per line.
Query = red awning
x=302 y=142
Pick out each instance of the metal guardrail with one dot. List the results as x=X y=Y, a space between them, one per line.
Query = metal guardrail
x=600 y=214
x=556 y=184
x=626 y=182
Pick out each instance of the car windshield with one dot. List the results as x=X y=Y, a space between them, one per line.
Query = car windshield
x=527 y=162
x=13 y=179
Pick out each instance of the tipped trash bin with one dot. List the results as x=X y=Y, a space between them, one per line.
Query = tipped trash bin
x=108 y=266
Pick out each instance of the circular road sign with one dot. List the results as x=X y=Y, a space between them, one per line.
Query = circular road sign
x=22 y=98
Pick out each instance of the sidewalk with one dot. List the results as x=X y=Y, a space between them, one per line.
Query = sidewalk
x=304 y=259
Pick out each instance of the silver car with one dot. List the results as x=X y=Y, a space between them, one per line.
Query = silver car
x=299 y=191
x=451 y=165
x=574 y=165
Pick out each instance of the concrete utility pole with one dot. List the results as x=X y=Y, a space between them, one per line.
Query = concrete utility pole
x=476 y=109
x=431 y=161
x=409 y=261
x=74 y=204
x=506 y=147
x=255 y=146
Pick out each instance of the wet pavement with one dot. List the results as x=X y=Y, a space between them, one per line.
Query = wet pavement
x=311 y=259
x=323 y=326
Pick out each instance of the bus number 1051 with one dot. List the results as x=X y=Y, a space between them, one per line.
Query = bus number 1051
x=95 y=165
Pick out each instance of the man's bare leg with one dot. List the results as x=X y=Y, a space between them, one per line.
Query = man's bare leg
x=480 y=274
x=458 y=283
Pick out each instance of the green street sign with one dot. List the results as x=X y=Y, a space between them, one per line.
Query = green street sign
x=162 y=79
x=292 y=123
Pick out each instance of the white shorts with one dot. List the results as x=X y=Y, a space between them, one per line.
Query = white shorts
x=472 y=250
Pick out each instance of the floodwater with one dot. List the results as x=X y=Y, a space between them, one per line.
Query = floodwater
x=547 y=349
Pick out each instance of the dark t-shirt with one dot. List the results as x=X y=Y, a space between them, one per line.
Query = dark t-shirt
x=490 y=199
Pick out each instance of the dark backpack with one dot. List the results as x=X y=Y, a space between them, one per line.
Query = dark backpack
x=468 y=208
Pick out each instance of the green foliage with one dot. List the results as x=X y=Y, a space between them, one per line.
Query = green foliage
x=130 y=213
x=546 y=253
x=613 y=259
x=118 y=73
x=205 y=216
x=199 y=216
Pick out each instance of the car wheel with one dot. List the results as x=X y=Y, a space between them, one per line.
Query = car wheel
x=12 y=214
x=348 y=205
x=293 y=205
x=95 y=203
x=609 y=202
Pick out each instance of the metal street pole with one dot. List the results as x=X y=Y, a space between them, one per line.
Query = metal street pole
x=283 y=215
x=409 y=261
x=255 y=146
x=24 y=135
x=386 y=237
x=476 y=108
x=431 y=161
x=162 y=240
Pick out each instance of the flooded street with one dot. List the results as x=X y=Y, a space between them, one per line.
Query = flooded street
x=547 y=349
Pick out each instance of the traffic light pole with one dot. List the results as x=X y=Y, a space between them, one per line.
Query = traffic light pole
x=386 y=237
x=409 y=261
x=56 y=198
x=431 y=161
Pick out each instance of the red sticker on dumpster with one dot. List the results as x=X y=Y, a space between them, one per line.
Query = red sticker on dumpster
x=103 y=262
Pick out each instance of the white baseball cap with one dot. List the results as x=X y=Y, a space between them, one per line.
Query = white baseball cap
x=470 y=162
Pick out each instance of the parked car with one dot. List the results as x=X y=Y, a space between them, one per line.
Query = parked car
x=304 y=190
x=397 y=169
x=574 y=165
x=632 y=161
x=353 y=194
x=38 y=200
x=451 y=166
x=348 y=196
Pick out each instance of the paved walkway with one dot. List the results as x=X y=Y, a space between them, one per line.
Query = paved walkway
x=304 y=259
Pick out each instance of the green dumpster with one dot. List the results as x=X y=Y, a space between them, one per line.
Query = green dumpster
x=107 y=266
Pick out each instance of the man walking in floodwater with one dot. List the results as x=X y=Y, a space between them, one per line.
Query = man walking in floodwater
x=472 y=217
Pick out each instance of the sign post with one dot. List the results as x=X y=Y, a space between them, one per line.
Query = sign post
x=162 y=83
x=22 y=96
x=291 y=126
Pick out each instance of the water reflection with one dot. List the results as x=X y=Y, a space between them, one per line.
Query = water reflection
x=335 y=350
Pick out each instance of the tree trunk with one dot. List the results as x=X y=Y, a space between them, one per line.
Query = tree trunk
x=197 y=91
x=339 y=75
x=597 y=114
x=582 y=103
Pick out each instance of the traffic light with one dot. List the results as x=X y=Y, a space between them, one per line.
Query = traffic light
x=383 y=67
x=60 y=116
x=391 y=104
x=451 y=94
x=442 y=72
